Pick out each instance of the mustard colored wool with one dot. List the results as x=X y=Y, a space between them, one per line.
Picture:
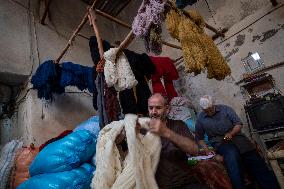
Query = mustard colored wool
x=199 y=51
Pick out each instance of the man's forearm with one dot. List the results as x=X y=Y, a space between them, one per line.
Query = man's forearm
x=186 y=144
x=236 y=130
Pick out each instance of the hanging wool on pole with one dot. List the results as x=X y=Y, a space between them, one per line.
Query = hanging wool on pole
x=199 y=50
x=118 y=72
x=46 y=80
x=153 y=41
x=150 y=12
x=147 y=24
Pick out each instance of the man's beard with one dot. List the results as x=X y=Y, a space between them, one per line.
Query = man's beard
x=156 y=116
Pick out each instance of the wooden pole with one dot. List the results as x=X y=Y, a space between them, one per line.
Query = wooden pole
x=116 y=20
x=176 y=60
x=84 y=20
x=129 y=38
x=171 y=45
x=97 y=33
x=45 y=12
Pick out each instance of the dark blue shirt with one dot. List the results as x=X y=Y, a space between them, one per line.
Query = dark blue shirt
x=217 y=125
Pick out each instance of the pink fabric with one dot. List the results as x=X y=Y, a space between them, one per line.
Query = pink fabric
x=150 y=12
x=164 y=69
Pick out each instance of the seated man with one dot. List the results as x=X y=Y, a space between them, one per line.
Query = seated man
x=223 y=128
x=173 y=171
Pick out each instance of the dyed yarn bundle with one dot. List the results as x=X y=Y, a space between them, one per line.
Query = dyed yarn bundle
x=199 y=50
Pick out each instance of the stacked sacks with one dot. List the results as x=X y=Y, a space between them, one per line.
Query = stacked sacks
x=92 y=125
x=78 y=178
x=65 y=154
x=199 y=50
x=63 y=163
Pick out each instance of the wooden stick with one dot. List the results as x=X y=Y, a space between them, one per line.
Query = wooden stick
x=176 y=60
x=84 y=20
x=45 y=12
x=262 y=70
x=116 y=20
x=129 y=38
x=97 y=33
x=171 y=45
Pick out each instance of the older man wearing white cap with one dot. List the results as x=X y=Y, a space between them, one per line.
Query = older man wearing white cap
x=223 y=127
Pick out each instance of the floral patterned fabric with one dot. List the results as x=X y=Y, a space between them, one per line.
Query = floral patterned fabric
x=213 y=174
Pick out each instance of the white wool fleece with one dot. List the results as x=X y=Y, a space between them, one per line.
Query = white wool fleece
x=119 y=73
x=138 y=169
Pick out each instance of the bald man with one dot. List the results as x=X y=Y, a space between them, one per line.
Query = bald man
x=223 y=127
x=173 y=171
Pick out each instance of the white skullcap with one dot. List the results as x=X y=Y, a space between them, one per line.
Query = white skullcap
x=206 y=102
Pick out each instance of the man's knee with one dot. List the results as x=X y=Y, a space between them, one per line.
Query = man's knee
x=229 y=152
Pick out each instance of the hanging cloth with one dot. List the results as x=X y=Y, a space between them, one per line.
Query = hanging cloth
x=139 y=167
x=106 y=99
x=143 y=68
x=181 y=109
x=164 y=69
x=96 y=58
x=199 y=50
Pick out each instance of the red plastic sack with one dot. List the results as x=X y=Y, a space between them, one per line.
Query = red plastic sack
x=20 y=172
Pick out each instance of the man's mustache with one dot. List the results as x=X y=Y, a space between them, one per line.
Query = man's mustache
x=156 y=116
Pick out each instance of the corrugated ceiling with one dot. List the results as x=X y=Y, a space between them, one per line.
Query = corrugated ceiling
x=111 y=7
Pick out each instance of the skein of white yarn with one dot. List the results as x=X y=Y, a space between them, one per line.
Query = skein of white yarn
x=118 y=72
x=139 y=167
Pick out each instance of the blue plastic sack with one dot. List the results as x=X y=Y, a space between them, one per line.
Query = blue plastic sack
x=92 y=125
x=191 y=125
x=78 y=178
x=65 y=154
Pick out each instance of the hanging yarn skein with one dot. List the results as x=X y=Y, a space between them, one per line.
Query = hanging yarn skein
x=117 y=71
x=200 y=52
x=150 y=12
x=147 y=24
x=138 y=168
